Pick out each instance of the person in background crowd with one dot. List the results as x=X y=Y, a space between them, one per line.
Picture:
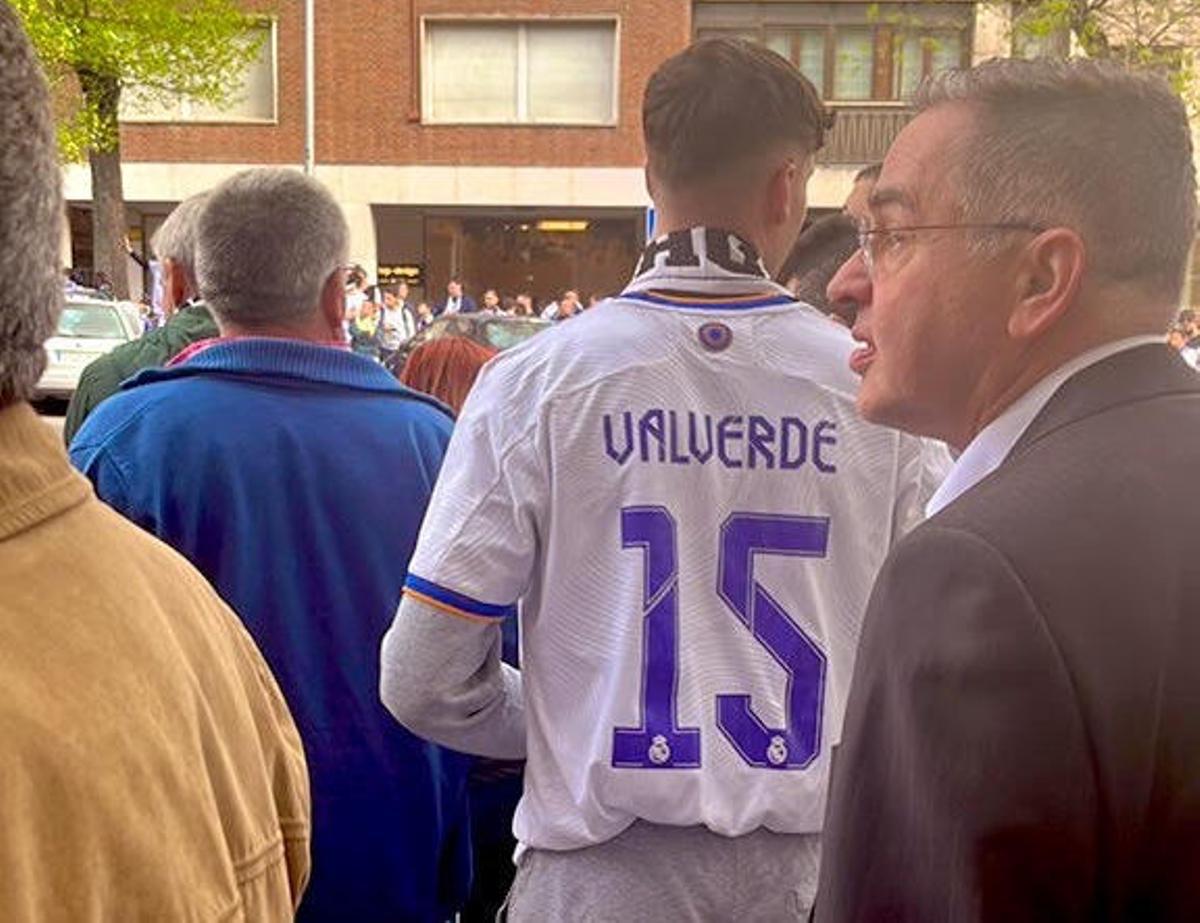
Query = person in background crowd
x=72 y=282
x=424 y=315
x=820 y=251
x=491 y=303
x=188 y=321
x=1021 y=740
x=398 y=322
x=446 y=368
x=566 y=306
x=855 y=206
x=1184 y=336
x=295 y=474
x=356 y=289
x=148 y=318
x=523 y=306
x=148 y=271
x=456 y=302
x=593 y=300
x=365 y=331
x=149 y=769
x=689 y=619
x=1190 y=353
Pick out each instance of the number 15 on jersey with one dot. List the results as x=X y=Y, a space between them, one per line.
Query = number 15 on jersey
x=659 y=742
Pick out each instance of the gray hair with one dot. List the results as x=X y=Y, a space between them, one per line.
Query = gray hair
x=1084 y=144
x=31 y=212
x=175 y=239
x=266 y=243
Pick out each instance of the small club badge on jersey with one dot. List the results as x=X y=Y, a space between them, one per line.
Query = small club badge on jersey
x=660 y=750
x=715 y=336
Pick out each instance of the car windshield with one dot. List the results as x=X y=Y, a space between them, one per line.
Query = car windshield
x=510 y=333
x=90 y=322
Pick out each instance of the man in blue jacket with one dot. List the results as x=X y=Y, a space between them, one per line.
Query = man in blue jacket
x=295 y=474
x=456 y=302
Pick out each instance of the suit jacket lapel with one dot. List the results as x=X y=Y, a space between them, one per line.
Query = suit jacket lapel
x=1130 y=376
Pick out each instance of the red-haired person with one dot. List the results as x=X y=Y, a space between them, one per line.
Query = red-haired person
x=446 y=368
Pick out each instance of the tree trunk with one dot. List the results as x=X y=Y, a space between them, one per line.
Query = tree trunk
x=1091 y=37
x=109 y=256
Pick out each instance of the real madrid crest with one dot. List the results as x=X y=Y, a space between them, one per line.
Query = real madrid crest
x=715 y=336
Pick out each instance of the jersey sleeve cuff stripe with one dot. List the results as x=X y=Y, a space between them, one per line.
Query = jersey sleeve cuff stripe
x=456 y=603
x=450 y=610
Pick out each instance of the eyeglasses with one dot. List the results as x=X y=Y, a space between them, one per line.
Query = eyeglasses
x=875 y=243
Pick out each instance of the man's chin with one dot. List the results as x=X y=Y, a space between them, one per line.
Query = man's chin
x=893 y=412
x=873 y=406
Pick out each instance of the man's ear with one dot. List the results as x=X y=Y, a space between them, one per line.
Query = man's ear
x=651 y=186
x=781 y=191
x=333 y=302
x=1047 y=282
x=175 y=284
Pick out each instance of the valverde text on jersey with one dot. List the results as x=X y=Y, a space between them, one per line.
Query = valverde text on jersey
x=670 y=437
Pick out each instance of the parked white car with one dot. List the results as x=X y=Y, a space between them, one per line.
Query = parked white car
x=87 y=329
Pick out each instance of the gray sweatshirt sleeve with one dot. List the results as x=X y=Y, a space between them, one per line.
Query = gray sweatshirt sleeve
x=442 y=678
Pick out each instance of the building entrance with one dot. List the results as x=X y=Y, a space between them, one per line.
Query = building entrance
x=542 y=253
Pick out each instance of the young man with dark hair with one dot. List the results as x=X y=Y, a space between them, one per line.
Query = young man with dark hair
x=677 y=491
x=820 y=251
x=456 y=301
x=856 y=202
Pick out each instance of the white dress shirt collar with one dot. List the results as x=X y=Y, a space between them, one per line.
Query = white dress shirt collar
x=992 y=444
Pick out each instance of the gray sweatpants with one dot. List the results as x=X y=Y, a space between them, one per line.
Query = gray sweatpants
x=667 y=874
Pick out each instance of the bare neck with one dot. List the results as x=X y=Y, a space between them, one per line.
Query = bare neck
x=311 y=331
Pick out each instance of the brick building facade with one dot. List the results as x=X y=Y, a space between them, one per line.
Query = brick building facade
x=452 y=131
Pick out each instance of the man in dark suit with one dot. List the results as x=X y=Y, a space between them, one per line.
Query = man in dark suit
x=1022 y=739
x=456 y=302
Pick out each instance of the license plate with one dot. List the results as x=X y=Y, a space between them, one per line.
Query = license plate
x=72 y=358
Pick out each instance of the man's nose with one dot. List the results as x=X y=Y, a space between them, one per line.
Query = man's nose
x=851 y=283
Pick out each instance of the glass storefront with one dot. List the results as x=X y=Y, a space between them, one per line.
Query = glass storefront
x=544 y=254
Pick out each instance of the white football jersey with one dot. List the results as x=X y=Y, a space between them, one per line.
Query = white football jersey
x=677 y=490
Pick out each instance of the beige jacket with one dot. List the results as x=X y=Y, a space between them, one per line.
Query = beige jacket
x=149 y=767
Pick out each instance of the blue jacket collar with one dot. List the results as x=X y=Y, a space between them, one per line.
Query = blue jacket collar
x=294 y=360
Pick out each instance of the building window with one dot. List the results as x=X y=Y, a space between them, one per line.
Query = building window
x=545 y=72
x=803 y=47
x=852 y=53
x=853 y=63
x=253 y=100
x=916 y=57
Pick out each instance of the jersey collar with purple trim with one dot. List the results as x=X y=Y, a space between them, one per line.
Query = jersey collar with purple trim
x=707 y=269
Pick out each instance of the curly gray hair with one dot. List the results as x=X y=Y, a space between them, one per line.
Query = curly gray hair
x=30 y=215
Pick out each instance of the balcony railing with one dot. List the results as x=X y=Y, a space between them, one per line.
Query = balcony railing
x=863 y=135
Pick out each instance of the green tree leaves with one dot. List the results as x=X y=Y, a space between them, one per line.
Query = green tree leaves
x=163 y=49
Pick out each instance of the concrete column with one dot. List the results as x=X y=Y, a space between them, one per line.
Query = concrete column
x=65 y=257
x=364 y=248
